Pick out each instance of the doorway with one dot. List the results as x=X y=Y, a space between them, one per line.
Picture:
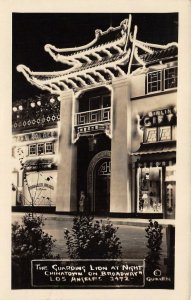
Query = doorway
x=98 y=186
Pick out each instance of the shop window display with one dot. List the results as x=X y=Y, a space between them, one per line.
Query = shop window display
x=40 y=188
x=149 y=187
x=170 y=191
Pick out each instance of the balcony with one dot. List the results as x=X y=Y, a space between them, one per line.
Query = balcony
x=88 y=122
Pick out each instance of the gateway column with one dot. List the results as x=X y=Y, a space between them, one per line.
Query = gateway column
x=120 y=200
x=66 y=181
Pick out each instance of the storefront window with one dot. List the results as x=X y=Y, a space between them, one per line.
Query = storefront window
x=170 y=191
x=40 y=188
x=149 y=190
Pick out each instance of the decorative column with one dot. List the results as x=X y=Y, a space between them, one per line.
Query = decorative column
x=120 y=199
x=66 y=181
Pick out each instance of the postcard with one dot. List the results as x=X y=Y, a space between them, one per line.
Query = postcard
x=97 y=178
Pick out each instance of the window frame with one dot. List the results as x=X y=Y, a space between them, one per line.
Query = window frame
x=29 y=149
x=161 y=81
x=37 y=148
x=39 y=144
x=52 y=148
x=164 y=78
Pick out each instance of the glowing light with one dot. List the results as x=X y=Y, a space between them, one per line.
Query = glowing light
x=14 y=108
x=20 y=107
x=52 y=100
x=39 y=103
x=32 y=104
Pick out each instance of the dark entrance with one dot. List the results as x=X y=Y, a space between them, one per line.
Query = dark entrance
x=102 y=186
x=98 y=182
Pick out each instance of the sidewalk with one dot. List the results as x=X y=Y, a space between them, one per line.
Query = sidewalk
x=117 y=221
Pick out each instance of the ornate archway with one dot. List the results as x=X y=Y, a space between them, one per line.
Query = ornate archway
x=100 y=165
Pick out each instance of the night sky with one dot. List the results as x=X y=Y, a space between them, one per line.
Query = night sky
x=31 y=31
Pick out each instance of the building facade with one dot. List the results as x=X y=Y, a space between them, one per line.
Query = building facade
x=107 y=127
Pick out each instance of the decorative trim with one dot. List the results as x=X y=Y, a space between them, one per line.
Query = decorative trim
x=108 y=129
x=126 y=45
x=154 y=94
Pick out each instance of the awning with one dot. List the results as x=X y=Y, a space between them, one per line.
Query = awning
x=156 y=148
x=41 y=164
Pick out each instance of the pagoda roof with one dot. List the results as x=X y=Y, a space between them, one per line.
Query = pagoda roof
x=111 y=54
x=103 y=42
x=171 y=51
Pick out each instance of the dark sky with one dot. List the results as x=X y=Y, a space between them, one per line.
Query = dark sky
x=31 y=31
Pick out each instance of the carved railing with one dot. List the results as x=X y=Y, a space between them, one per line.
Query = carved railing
x=97 y=116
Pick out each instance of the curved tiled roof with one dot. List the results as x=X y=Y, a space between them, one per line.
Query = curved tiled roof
x=112 y=34
x=115 y=49
x=160 y=54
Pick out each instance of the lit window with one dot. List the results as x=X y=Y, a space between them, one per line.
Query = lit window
x=165 y=133
x=151 y=135
x=149 y=190
x=154 y=81
x=40 y=149
x=170 y=78
x=32 y=149
x=49 y=147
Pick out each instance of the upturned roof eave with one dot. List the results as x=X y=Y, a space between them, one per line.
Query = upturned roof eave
x=72 y=51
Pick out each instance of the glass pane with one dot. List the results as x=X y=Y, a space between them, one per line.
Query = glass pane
x=32 y=149
x=171 y=78
x=170 y=191
x=154 y=81
x=40 y=148
x=149 y=190
x=49 y=147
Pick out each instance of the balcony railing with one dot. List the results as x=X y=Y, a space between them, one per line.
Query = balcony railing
x=93 y=117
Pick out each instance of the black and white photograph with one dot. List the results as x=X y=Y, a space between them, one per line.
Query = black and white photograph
x=94 y=121
x=98 y=182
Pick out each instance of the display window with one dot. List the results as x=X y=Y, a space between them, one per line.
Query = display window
x=170 y=191
x=149 y=190
x=40 y=188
